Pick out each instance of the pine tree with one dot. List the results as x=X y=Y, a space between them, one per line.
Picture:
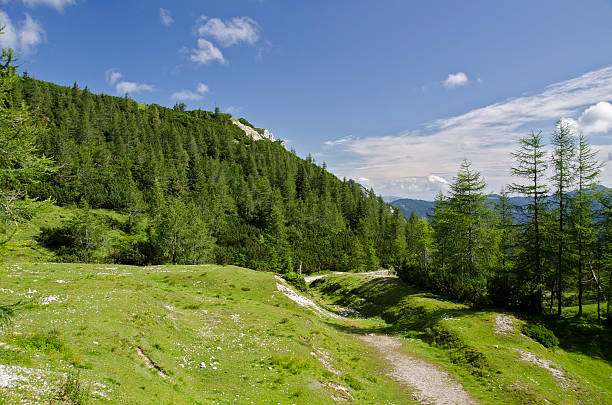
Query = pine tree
x=507 y=243
x=582 y=214
x=20 y=162
x=531 y=165
x=562 y=159
x=465 y=235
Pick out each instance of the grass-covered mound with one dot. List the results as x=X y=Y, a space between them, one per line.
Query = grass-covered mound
x=173 y=335
x=484 y=349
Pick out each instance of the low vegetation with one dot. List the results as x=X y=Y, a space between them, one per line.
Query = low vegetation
x=204 y=334
x=484 y=349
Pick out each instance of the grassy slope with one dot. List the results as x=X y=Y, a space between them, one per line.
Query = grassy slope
x=256 y=343
x=464 y=342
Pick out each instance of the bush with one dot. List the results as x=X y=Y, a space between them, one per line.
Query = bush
x=47 y=342
x=73 y=390
x=245 y=122
x=296 y=280
x=7 y=312
x=540 y=334
x=294 y=365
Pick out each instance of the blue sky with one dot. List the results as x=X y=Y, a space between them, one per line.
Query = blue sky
x=392 y=93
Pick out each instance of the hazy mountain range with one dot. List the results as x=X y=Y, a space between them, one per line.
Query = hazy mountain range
x=423 y=208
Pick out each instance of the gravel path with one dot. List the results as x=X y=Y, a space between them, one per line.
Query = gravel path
x=372 y=274
x=289 y=292
x=430 y=385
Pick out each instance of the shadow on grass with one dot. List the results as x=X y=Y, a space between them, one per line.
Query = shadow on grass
x=407 y=309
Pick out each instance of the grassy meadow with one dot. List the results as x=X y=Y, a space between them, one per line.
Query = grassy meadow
x=484 y=349
x=175 y=334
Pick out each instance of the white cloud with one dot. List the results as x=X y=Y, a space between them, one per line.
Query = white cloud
x=113 y=78
x=485 y=136
x=166 y=17
x=23 y=36
x=338 y=141
x=132 y=87
x=233 y=109
x=202 y=88
x=437 y=179
x=58 y=4
x=184 y=95
x=456 y=79
x=227 y=33
x=206 y=52
x=596 y=119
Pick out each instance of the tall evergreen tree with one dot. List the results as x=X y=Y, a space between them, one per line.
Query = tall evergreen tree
x=465 y=236
x=582 y=213
x=531 y=165
x=20 y=161
x=562 y=159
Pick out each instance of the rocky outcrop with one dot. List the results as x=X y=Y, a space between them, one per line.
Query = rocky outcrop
x=255 y=134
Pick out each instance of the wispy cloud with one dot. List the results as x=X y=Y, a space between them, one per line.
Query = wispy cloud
x=233 y=109
x=485 y=136
x=230 y=32
x=166 y=17
x=23 y=36
x=206 y=52
x=456 y=79
x=338 y=141
x=184 y=95
x=114 y=78
x=57 y=4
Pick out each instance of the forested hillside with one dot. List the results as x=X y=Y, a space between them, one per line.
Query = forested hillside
x=189 y=187
x=195 y=188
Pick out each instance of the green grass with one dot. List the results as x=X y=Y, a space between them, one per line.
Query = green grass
x=24 y=246
x=219 y=334
x=88 y=320
x=463 y=341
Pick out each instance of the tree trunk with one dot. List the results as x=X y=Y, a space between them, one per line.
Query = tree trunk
x=599 y=290
x=560 y=256
x=552 y=297
x=579 y=275
x=609 y=294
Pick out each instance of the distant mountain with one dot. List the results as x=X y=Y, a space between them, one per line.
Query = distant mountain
x=390 y=198
x=423 y=208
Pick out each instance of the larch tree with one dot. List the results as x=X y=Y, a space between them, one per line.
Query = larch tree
x=564 y=176
x=531 y=165
x=582 y=213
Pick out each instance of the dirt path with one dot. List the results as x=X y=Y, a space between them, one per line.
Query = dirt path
x=430 y=385
x=289 y=292
x=372 y=274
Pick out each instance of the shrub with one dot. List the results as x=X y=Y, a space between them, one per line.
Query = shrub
x=290 y=363
x=73 y=390
x=7 y=312
x=352 y=382
x=47 y=342
x=541 y=334
x=245 y=122
x=296 y=280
